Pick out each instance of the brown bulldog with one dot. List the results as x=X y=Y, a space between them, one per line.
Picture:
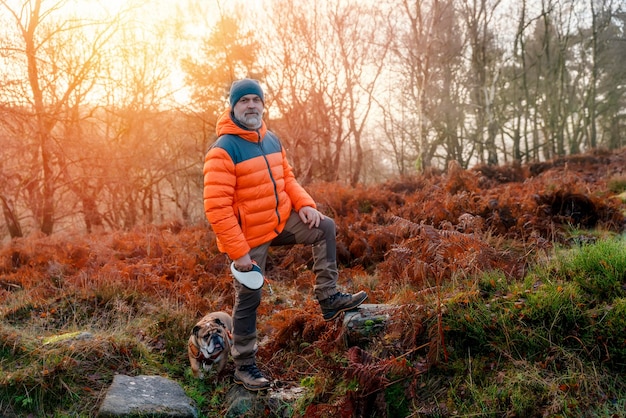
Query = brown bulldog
x=210 y=342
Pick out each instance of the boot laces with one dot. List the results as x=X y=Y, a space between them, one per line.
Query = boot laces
x=253 y=370
x=337 y=295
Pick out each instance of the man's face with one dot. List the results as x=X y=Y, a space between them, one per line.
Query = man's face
x=249 y=111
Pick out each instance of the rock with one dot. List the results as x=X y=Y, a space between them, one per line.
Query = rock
x=153 y=396
x=365 y=322
x=68 y=337
x=276 y=403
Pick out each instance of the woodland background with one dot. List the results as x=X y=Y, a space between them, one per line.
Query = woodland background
x=107 y=108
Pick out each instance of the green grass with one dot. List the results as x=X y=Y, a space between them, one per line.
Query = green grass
x=617 y=184
x=599 y=269
x=554 y=345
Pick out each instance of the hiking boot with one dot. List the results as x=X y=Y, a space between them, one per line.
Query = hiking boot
x=340 y=302
x=251 y=377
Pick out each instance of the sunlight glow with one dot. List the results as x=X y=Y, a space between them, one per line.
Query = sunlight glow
x=146 y=40
x=165 y=27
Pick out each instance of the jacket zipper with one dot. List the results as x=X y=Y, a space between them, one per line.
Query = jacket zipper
x=269 y=169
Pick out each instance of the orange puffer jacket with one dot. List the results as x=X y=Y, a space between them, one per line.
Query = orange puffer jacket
x=249 y=187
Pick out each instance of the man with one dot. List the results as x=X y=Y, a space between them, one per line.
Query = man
x=253 y=201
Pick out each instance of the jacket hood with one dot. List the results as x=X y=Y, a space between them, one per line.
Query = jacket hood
x=227 y=126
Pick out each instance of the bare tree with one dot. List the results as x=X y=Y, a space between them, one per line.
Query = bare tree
x=362 y=53
x=324 y=77
x=299 y=85
x=97 y=92
x=519 y=88
x=607 y=95
x=428 y=109
x=483 y=75
x=230 y=52
x=56 y=78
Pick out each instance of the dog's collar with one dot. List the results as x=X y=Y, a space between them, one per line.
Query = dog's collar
x=195 y=351
x=198 y=355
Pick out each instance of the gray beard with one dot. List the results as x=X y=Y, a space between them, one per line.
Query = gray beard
x=251 y=122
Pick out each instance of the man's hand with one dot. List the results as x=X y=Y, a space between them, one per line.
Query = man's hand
x=244 y=263
x=310 y=216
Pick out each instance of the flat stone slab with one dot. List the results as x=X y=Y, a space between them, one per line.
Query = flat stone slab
x=153 y=396
x=68 y=337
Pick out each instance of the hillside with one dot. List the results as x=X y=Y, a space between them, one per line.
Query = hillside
x=495 y=315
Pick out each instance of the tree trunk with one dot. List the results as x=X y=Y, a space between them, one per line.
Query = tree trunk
x=43 y=128
x=13 y=224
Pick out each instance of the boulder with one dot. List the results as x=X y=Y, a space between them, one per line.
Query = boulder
x=276 y=403
x=141 y=396
x=366 y=322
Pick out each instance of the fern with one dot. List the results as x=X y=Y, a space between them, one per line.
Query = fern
x=368 y=371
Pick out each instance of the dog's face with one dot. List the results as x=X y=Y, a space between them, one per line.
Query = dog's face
x=211 y=339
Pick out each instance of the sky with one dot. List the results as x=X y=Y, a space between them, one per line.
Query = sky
x=178 y=27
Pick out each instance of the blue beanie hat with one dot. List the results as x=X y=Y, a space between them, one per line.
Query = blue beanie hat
x=240 y=88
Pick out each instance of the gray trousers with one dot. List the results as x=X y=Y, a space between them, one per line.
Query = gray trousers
x=323 y=241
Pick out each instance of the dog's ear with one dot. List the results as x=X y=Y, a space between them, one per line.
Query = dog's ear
x=196 y=330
